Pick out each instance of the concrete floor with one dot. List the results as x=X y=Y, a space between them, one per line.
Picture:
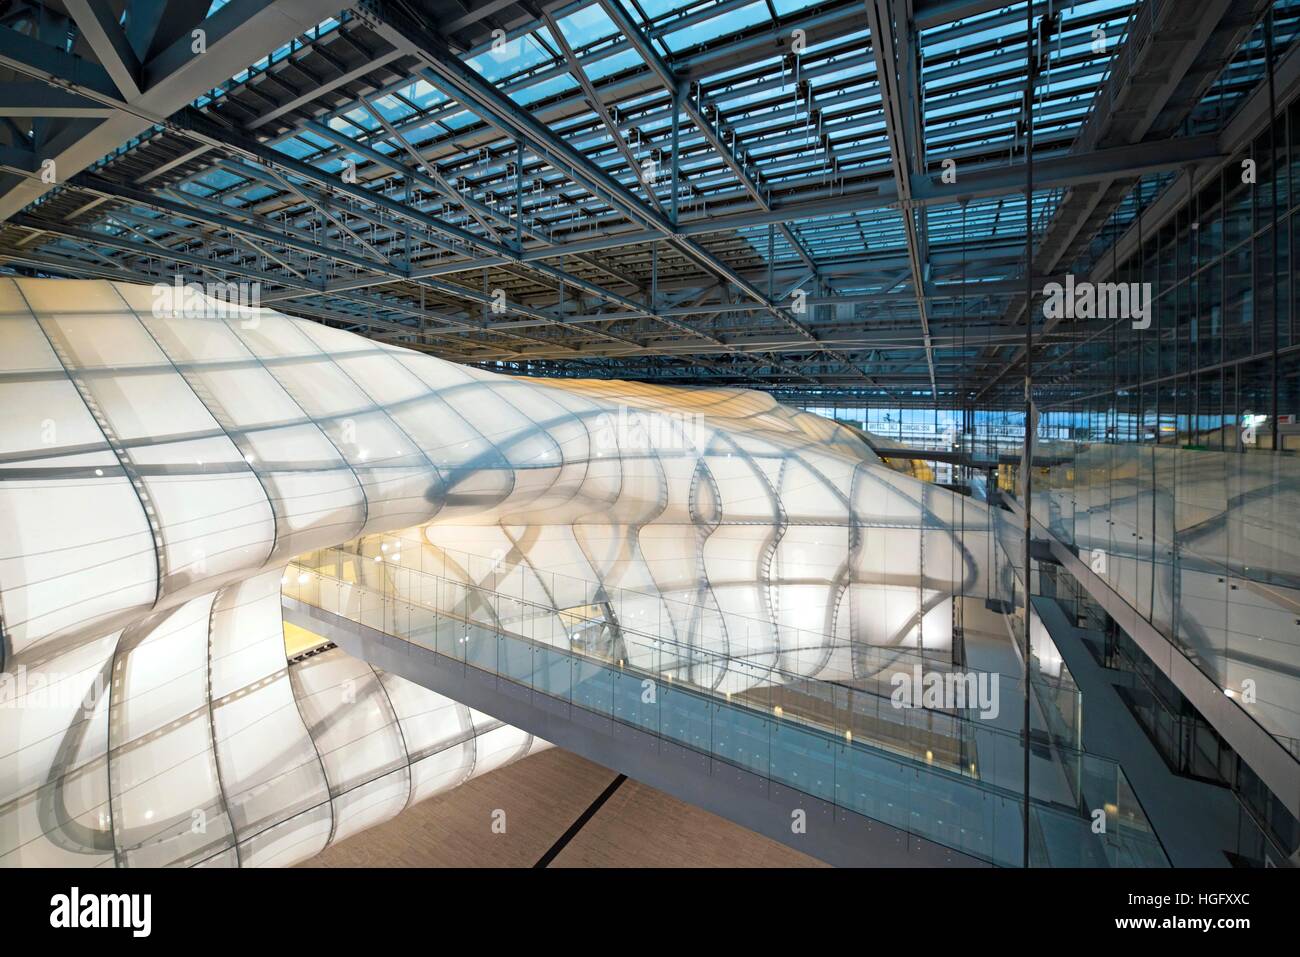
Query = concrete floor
x=541 y=797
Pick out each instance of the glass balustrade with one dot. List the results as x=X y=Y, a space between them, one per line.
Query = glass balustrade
x=943 y=776
x=1205 y=546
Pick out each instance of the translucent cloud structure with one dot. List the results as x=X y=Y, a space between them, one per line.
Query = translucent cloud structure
x=187 y=738
x=744 y=532
x=161 y=468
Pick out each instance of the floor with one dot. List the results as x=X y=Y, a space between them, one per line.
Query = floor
x=535 y=801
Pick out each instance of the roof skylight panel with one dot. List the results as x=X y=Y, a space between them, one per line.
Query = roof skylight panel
x=532 y=93
x=353 y=123
x=598 y=66
x=730 y=22
x=510 y=58
x=422 y=95
x=586 y=26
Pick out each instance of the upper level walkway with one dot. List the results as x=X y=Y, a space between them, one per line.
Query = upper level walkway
x=837 y=772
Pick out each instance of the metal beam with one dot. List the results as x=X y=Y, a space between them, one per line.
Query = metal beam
x=1125 y=109
x=688 y=96
x=237 y=34
x=100 y=28
x=37 y=99
x=485 y=100
x=599 y=108
x=885 y=49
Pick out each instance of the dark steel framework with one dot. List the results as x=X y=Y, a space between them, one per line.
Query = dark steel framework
x=820 y=199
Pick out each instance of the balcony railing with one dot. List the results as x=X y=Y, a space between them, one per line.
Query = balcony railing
x=948 y=779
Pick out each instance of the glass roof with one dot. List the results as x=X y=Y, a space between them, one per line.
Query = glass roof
x=765 y=165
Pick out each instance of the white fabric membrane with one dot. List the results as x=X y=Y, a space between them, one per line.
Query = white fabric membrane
x=160 y=471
